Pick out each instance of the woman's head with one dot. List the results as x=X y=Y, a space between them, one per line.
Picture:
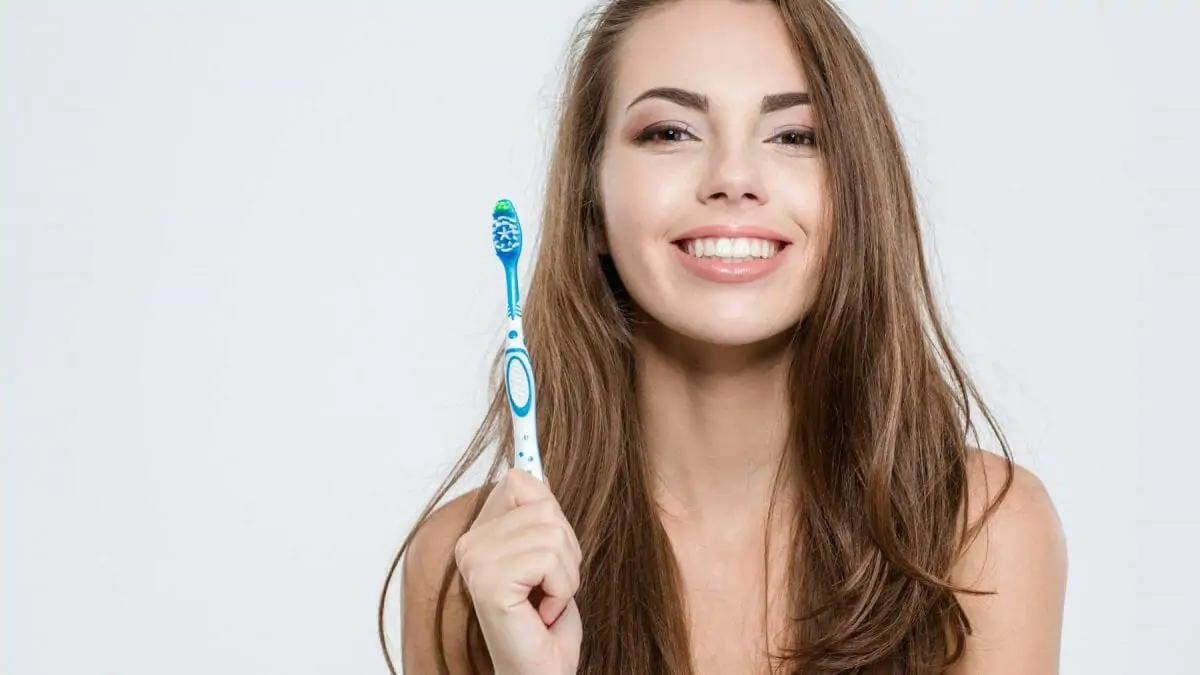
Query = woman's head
x=825 y=173
x=880 y=409
x=710 y=135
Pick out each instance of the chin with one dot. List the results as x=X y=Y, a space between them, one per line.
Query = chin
x=728 y=331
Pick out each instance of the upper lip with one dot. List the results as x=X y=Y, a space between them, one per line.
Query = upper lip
x=732 y=232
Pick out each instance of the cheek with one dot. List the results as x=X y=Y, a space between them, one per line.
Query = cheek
x=642 y=198
x=807 y=205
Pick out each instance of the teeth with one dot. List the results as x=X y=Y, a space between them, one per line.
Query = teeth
x=740 y=249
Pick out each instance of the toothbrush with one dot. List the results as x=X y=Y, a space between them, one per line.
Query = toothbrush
x=518 y=371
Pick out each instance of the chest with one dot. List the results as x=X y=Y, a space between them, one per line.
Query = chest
x=737 y=607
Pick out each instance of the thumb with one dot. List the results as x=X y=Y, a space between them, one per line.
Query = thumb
x=569 y=623
x=549 y=607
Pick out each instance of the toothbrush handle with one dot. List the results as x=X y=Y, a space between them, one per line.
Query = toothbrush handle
x=522 y=402
x=513 y=289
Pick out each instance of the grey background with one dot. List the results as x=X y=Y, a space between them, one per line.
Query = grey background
x=247 y=300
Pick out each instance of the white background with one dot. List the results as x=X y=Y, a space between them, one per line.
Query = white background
x=248 y=298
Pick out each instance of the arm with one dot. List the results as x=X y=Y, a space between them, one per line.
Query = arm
x=424 y=564
x=1020 y=555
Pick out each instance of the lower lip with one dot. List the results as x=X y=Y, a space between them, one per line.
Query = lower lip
x=715 y=269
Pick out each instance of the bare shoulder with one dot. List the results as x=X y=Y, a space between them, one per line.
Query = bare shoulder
x=1020 y=558
x=429 y=554
x=1025 y=510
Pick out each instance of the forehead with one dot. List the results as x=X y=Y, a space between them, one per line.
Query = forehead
x=723 y=48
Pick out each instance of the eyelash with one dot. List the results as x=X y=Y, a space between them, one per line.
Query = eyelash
x=809 y=138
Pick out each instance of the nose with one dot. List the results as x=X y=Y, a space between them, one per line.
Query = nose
x=733 y=176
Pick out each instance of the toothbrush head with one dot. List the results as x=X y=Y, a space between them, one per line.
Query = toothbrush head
x=506 y=231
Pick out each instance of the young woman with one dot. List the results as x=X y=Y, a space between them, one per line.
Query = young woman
x=756 y=435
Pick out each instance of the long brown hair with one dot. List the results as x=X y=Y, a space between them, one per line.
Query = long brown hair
x=882 y=417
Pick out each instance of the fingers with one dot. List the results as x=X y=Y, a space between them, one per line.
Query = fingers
x=542 y=513
x=513 y=489
x=559 y=584
x=520 y=549
x=532 y=527
x=501 y=573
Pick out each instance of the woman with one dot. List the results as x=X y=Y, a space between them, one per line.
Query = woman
x=752 y=422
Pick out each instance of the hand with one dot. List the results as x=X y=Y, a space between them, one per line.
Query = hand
x=520 y=562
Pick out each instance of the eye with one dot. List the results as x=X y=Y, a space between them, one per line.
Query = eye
x=800 y=138
x=664 y=133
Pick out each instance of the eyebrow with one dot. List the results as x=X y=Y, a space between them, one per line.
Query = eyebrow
x=690 y=99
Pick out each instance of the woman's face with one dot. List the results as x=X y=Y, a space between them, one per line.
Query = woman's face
x=711 y=184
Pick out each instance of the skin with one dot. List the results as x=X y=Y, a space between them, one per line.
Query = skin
x=712 y=361
x=712 y=367
x=713 y=354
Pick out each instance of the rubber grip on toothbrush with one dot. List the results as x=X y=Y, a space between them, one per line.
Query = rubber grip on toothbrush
x=518 y=380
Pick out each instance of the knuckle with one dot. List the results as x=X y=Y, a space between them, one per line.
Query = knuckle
x=563 y=535
x=549 y=559
x=462 y=549
x=548 y=509
x=550 y=536
x=477 y=585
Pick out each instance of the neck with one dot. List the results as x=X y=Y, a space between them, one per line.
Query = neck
x=715 y=421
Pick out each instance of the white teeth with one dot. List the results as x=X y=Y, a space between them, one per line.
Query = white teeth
x=732 y=250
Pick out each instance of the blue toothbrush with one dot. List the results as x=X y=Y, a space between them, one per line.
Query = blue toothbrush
x=518 y=371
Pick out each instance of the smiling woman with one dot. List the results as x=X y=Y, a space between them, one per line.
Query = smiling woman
x=727 y=253
x=758 y=441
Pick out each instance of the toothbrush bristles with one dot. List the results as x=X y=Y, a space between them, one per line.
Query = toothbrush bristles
x=506 y=227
